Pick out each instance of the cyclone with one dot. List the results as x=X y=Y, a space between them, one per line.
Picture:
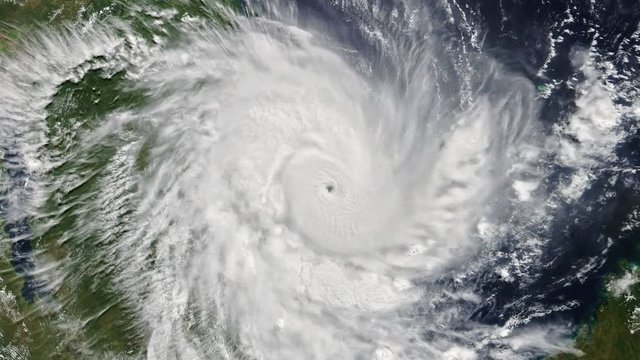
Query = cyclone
x=308 y=180
x=314 y=213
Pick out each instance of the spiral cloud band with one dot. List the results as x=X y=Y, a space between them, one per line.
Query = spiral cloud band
x=315 y=219
x=309 y=191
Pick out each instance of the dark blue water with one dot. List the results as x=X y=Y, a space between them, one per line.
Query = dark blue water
x=517 y=35
x=17 y=226
x=587 y=239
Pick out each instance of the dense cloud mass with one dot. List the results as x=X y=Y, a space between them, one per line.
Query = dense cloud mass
x=350 y=180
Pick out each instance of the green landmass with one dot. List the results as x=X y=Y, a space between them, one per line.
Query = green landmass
x=614 y=332
x=85 y=316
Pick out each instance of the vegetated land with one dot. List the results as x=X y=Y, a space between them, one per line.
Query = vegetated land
x=614 y=333
x=27 y=331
